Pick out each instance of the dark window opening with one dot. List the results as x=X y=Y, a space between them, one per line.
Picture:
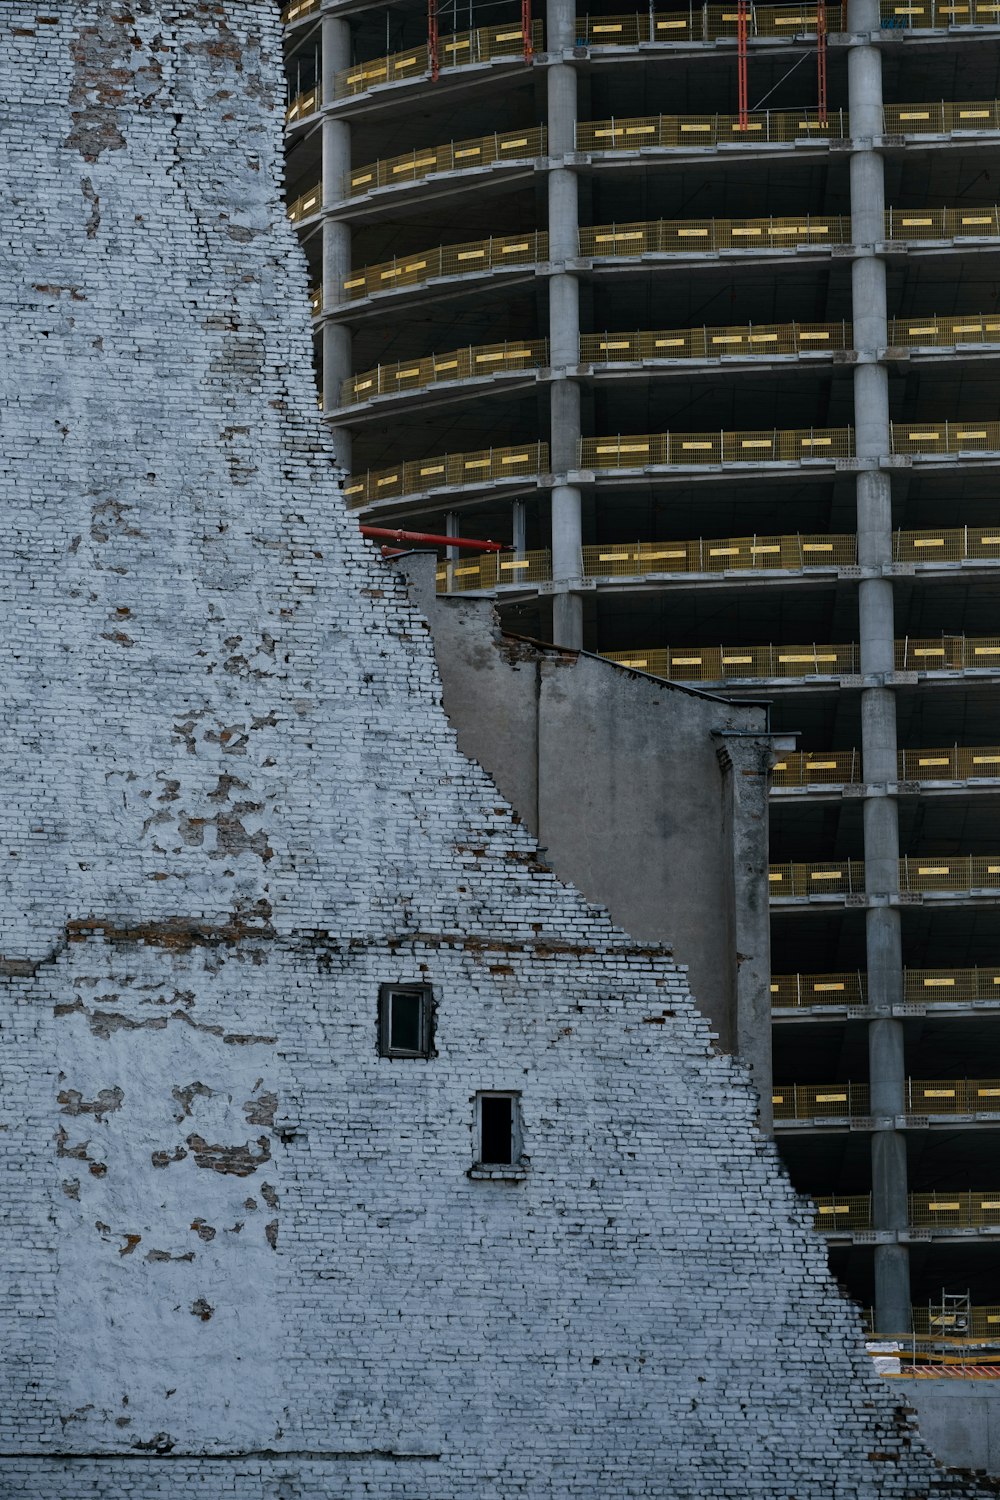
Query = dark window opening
x=496 y=1134
x=404 y=1023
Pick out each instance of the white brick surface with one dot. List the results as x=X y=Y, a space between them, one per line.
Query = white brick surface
x=244 y=1256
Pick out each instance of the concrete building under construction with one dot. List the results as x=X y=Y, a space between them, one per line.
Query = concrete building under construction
x=696 y=309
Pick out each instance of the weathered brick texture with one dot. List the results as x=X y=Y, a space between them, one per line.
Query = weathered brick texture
x=244 y=1255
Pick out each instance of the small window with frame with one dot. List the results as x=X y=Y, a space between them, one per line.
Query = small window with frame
x=405 y=1020
x=498 y=1129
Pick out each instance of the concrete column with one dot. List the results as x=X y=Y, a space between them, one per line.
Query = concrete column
x=336 y=139
x=887 y=1065
x=518 y=528
x=564 y=331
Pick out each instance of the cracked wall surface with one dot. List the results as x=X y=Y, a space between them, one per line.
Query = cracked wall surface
x=243 y=1253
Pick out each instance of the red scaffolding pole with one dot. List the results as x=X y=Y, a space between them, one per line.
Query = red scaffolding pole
x=821 y=58
x=529 y=50
x=741 y=61
x=433 y=51
x=432 y=538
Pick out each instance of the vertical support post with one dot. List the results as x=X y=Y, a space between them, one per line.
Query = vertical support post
x=451 y=553
x=564 y=332
x=741 y=62
x=518 y=529
x=821 y=60
x=336 y=242
x=887 y=1069
x=433 y=40
x=529 y=46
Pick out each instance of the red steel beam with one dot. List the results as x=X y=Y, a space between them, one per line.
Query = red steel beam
x=430 y=538
x=741 y=62
x=529 y=50
x=433 y=49
x=821 y=58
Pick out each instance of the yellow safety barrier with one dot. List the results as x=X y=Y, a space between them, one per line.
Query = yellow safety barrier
x=424 y=474
x=730 y=663
x=929 y=15
x=953 y=763
x=306 y=204
x=952 y=545
x=761 y=339
x=809 y=1101
x=920 y=987
x=944 y=437
x=306 y=103
x=461 y=50
x=958 y=872
x=922 y=1097
x=493 y=570
x=836 y=767
x=686 y=131
x=837 y=1213
x=635 y=559
x=793 y=991
x=476 y=362
x=706 y=23
x=832 y=877
x=454 y=156
x=952 y=1096
x=959 y=1210
x=704 y=236
x=940 y=119
x=817 y=767
x=297 y=10
x=942 y=223
x=419 y=266
x=949 y=653
x=976 y=1323
x=643 y=450
x=967 y=328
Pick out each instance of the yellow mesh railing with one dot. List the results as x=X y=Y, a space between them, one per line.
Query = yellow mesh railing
x=962 y=1210
x=825 y=878
x=306 y=204
x=793 y=991
x=945 y=437
x=941 y=223
x=854 y=1212
x=710 y=343
x=701 y=236
x=920 y=987
x=928 y=14
x=952 y=545
x=979 y=1322
x=493 y=570
x=710 y=130
x=454 y=156
x=706 y=23
x=461 y=50
x=447 y=469
x=952 y=1096
x=833 y=767
x=941 y=118
x=817 y=767
x=493 y=254
x=297 y=10
x=808 y=1101
x=730 y=663
x=306 y=103
x=959 y=872
x=953 y=763
x=948 y=653
x=634 y=559
x=967 y=328
x=640 y=450
x=475 y=362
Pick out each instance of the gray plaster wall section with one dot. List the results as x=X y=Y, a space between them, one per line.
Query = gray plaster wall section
x=648 y=797
x=959 y=1418
x=242 y=1253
